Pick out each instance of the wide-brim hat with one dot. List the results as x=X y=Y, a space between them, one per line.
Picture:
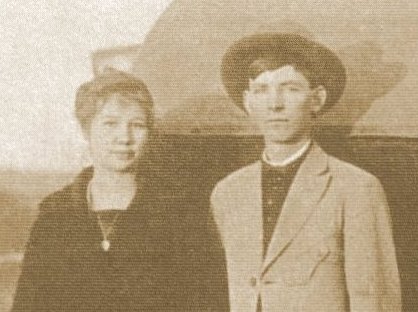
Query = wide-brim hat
x=324 y=64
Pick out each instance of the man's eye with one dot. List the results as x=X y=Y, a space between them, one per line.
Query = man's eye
x=110 y=123
x=139 y=125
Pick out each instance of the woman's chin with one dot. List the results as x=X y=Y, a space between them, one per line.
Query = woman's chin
x=118 y=166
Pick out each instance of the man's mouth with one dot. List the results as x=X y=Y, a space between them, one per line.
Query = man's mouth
x=277 y=120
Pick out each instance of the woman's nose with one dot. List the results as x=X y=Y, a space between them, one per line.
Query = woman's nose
x=124 y=134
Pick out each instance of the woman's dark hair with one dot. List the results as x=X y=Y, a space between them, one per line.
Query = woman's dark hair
x=91 y=95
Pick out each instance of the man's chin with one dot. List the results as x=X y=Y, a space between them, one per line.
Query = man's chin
x=289 y=141
x=286 y=138
x=278 y=139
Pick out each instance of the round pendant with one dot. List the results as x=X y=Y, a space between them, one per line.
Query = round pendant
x=105 y=245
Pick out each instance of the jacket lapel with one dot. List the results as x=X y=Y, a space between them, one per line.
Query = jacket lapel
x=307 y=189
x=242 y=220
x=252 y=215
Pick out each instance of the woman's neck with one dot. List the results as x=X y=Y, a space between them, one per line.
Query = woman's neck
x=110 y=181
x=109 y=190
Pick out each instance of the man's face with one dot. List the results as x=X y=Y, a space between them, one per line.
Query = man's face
x=282 y=105
x=118 y=134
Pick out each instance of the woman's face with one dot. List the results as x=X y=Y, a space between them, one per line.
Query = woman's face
x=118 y=134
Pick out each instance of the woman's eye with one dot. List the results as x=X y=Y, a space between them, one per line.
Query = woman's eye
x=294 y=88
x=259 y=90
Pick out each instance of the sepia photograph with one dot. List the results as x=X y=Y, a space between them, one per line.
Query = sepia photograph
x=209 y=155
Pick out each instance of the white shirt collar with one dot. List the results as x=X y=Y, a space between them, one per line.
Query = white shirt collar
x=292 y=158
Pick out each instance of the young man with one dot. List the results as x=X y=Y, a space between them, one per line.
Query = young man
x=302 y=230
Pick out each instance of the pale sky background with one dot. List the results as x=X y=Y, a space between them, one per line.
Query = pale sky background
x=45 y=55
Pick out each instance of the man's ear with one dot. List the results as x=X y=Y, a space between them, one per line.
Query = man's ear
x=246 y=101
x=86 y=133
x=319 y=99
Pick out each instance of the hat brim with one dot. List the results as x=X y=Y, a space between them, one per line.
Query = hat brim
x=325 y=64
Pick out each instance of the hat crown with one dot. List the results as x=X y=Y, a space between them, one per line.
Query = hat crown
x=287 y=48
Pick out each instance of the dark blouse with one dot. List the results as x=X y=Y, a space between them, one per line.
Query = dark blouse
x=146 y=268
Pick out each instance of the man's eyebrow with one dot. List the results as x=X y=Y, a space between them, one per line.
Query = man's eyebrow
x=110 y=115
x=139 y=119
x=293 y=82
x=286 y=82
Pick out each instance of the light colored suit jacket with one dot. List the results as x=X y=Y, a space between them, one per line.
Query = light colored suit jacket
x=332 y=248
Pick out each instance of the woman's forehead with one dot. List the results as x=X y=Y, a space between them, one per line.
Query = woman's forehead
x=118 y=103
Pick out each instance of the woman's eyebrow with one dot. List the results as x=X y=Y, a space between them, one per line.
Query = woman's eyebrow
x=139 y=119
x=258 y=84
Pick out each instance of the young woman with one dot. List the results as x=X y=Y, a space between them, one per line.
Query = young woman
x=103 y=243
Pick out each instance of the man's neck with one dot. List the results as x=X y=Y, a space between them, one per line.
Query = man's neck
x=285 y=154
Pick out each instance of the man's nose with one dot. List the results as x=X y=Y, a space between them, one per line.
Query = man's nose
x=276 y=100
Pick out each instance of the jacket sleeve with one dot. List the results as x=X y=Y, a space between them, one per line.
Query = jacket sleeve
x=32 y=280
x=370 y=259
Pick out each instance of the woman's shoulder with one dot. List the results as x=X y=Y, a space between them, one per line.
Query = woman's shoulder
x=53 y=201
x=71 y=194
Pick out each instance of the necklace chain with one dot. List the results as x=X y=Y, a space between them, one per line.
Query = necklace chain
x=106 y=231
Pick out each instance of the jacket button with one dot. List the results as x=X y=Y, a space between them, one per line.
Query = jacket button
x=253 y=281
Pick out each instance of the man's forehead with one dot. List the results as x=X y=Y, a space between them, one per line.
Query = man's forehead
x=284 y=73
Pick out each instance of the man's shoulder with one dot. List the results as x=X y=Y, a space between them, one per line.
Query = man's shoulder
x=230 y=189
x=349 y=173
x=238 y=177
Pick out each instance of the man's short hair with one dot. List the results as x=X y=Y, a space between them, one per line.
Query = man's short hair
x=270 y=63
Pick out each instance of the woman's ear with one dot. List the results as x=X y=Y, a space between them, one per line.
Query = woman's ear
x=319 y=99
